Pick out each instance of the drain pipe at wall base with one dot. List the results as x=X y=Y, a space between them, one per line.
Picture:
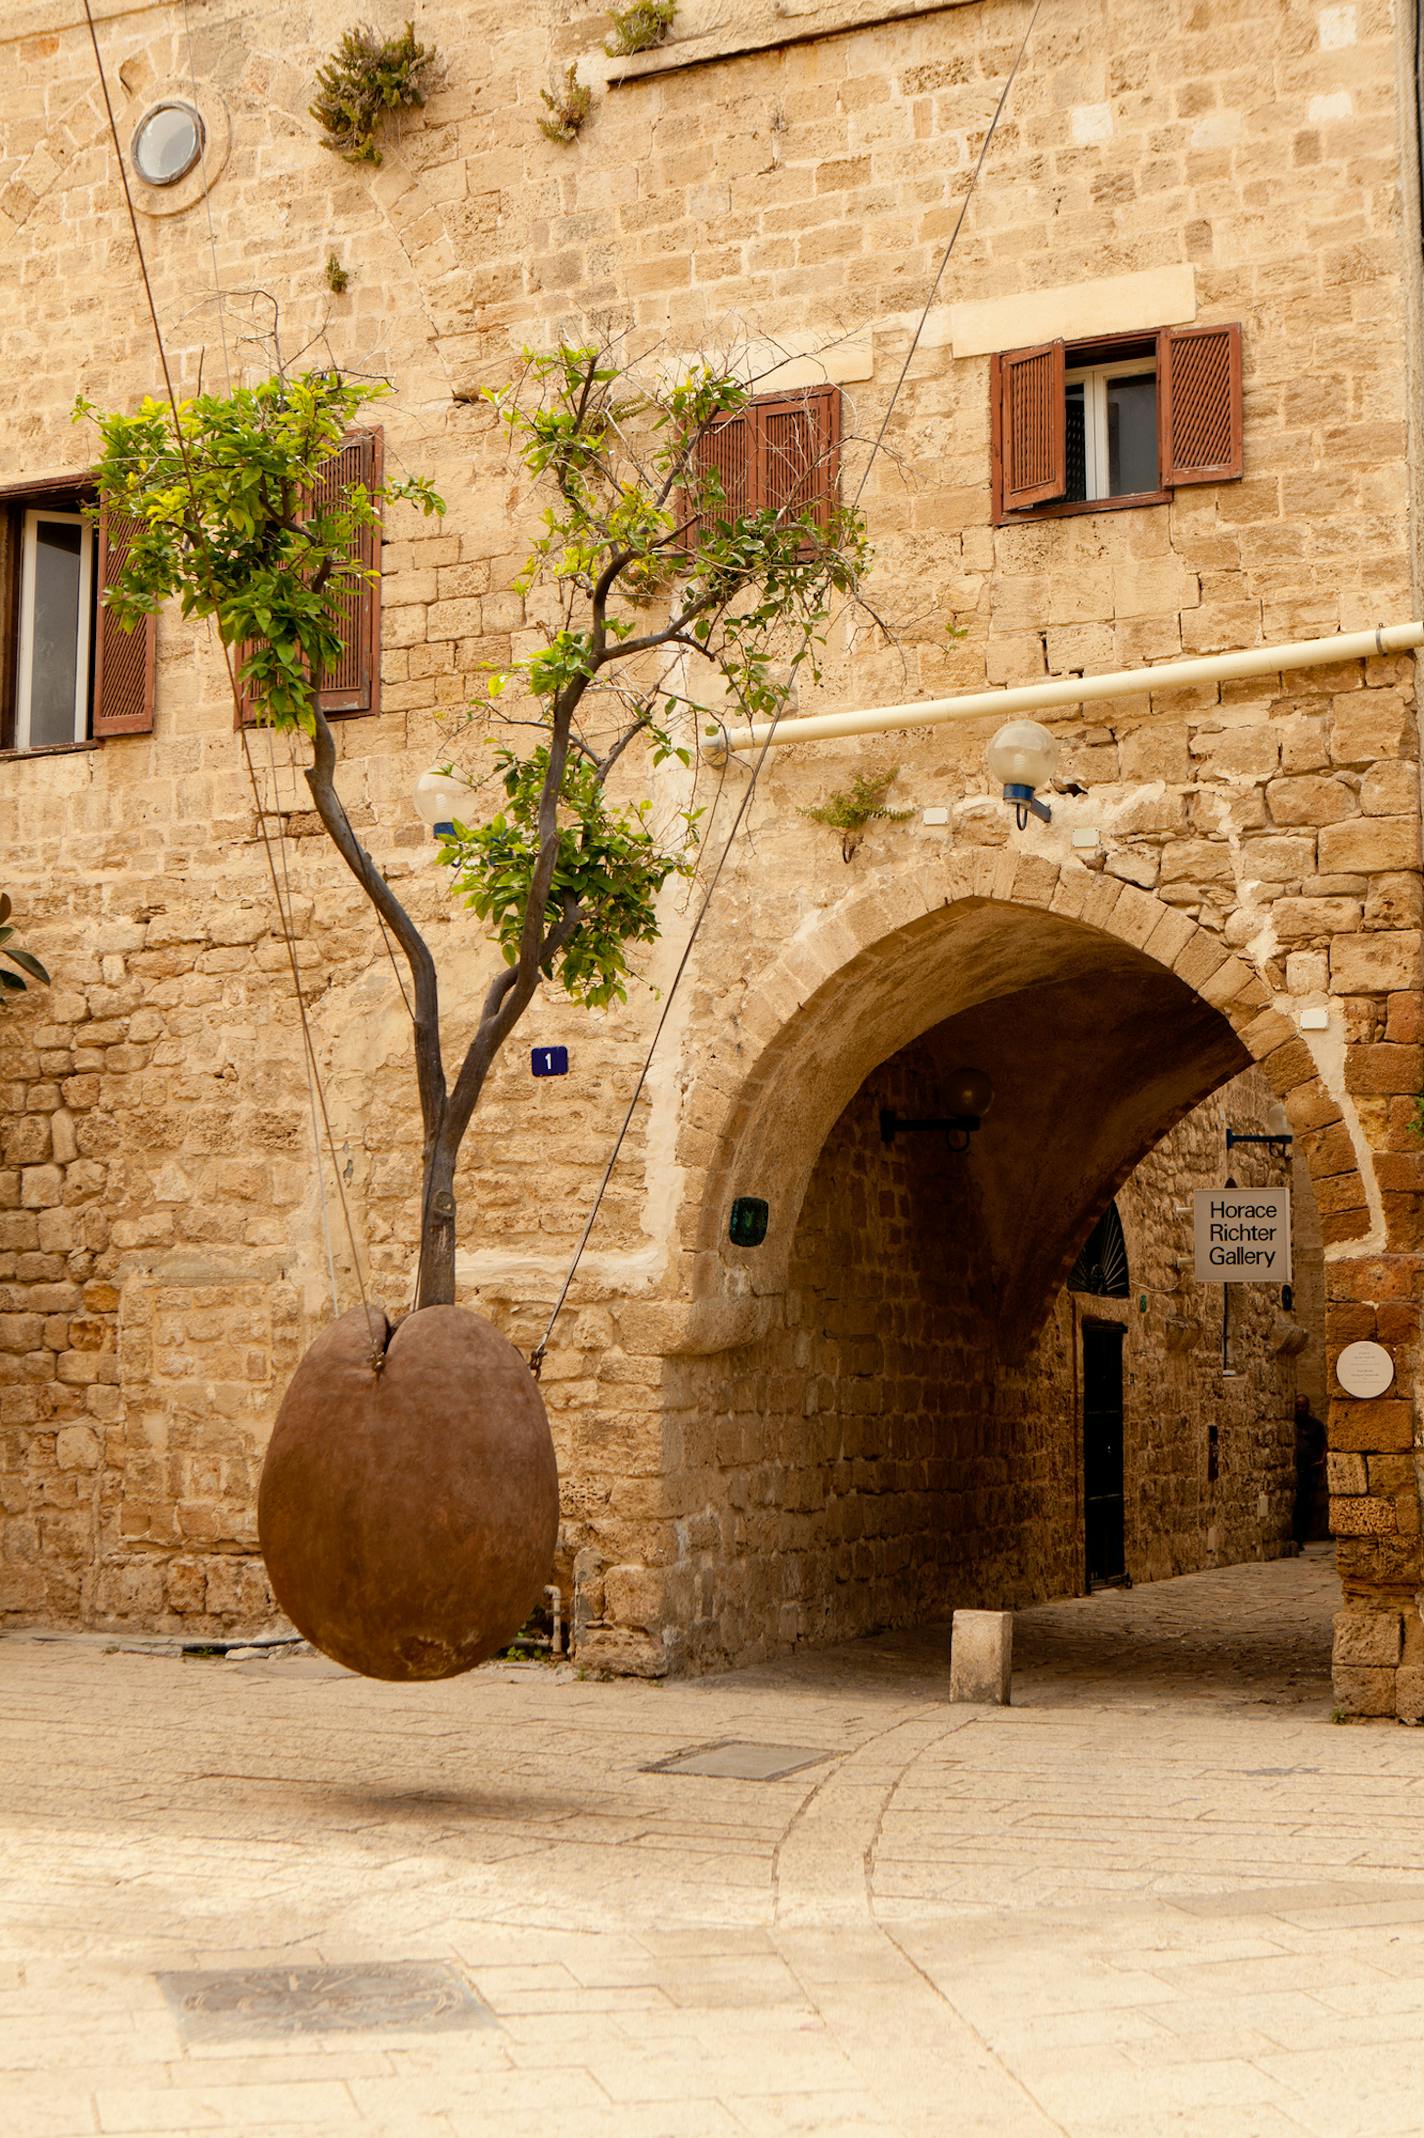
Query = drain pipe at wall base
x=1072 y=690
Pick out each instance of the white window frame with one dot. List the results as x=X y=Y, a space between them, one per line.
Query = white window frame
x=1093 y=378
x=24 y=680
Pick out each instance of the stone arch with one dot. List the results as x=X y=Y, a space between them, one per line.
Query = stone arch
x=960 y=940
x=858 y=984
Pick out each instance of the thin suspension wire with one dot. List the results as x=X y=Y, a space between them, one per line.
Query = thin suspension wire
x=317 y=1155
x=378 y=1348
x=1009 y=80
x=220 y=304
x=218 y=291
x=536 y=1357
x=220 y=298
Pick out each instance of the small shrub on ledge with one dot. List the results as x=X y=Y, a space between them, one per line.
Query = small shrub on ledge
x=367 y=77
x=639 y=28
x=568 y=107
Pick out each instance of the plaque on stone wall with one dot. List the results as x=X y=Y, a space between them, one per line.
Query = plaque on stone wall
x=1243 y=1235
x=1364 y=1369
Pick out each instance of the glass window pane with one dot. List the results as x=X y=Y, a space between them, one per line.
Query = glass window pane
x=1077 y=444
x=1132 y=435
x=168 y=143
x=54 y=671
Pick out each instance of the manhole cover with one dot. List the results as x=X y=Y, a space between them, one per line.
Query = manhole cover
x=735 y=1762
x=238 y=2003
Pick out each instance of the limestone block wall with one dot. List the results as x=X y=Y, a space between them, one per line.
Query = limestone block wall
x=793 y=189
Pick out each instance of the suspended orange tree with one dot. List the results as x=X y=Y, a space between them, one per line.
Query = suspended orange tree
x=660 y=596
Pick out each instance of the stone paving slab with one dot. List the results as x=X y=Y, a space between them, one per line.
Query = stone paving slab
x=1160 y=1893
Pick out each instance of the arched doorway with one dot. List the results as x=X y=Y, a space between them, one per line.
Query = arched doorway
x=1104 y=1020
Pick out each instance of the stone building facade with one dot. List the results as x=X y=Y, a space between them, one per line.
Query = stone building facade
x=1230 y=906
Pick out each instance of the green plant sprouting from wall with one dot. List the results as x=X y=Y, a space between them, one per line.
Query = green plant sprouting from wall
x=850 y=809
x=568 y=107
x=11 y=953
x=337 y=277
x=366 y=78
x=639 y=28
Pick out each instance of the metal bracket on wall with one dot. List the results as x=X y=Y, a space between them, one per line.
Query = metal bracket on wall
x=1280 y=1144
x=958 y=1127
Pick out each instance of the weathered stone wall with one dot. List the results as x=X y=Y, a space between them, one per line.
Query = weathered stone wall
x=162 y=1249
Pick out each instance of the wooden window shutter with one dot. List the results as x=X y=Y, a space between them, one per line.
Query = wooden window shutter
x=354 y=684
x=1199 y=403
x=1030 y=434
x=123 y=660
x=798 y=452
x=728 y=447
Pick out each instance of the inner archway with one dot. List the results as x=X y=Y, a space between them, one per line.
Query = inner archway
x=894 y=1428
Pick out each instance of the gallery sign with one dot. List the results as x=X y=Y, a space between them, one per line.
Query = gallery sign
x=1243 y=1235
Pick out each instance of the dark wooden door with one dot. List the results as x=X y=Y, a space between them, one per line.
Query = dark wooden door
x=1102 y=1451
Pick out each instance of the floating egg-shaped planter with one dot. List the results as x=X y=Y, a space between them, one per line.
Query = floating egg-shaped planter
x=408 y=1517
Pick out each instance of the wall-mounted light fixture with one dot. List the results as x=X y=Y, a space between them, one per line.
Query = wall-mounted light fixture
x=970 y=1094
x=1023 y=757
x=441 y=801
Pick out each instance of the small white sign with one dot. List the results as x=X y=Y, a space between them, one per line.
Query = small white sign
x=1243 y=1235
x=1364 y=1369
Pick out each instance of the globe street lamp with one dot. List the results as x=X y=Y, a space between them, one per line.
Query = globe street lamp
x=442 y=801
x=1022 y=757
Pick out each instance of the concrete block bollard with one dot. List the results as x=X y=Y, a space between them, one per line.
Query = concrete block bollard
x=981 y=1656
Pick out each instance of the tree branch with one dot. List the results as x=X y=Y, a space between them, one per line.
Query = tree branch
x=429 y=1066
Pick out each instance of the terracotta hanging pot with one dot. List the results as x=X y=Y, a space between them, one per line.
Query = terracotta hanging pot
x=408 y=1517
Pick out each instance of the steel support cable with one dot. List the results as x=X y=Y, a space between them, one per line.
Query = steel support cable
x=946 y=255
x=220 y=303
x=536 y=1357
x=378 y=1349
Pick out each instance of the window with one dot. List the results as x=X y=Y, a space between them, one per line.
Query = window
x=1110 y=414
x=68 y=673
x=167 y=143
x=781 y=453
x=354 y=685
x=1089 y=426
x=55 y=615
x=1101 y=1268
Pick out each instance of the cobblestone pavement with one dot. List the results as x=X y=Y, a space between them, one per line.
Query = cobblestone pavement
x=1161 y=1893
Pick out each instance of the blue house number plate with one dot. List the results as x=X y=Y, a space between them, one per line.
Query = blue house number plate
x=549 y=1061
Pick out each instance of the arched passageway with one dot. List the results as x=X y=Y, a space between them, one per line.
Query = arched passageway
x=877 y=1415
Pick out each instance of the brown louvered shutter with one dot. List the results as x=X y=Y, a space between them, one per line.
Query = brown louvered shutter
x=123 y=660
x=798 y=452
x=1030 y=431
x=728 y=447
x=1199 y=403
x=354 y=684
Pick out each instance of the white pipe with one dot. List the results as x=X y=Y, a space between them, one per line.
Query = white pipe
x=1076 y=690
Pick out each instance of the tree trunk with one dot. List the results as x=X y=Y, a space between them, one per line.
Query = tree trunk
x=437 y=1246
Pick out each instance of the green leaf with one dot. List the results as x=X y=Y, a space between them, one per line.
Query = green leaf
x=27 y=962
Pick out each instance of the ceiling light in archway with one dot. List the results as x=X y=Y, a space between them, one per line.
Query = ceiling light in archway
x=167 y=142
x=1023 y=757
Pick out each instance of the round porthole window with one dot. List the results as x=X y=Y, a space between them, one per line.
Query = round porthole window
x=167 y=143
